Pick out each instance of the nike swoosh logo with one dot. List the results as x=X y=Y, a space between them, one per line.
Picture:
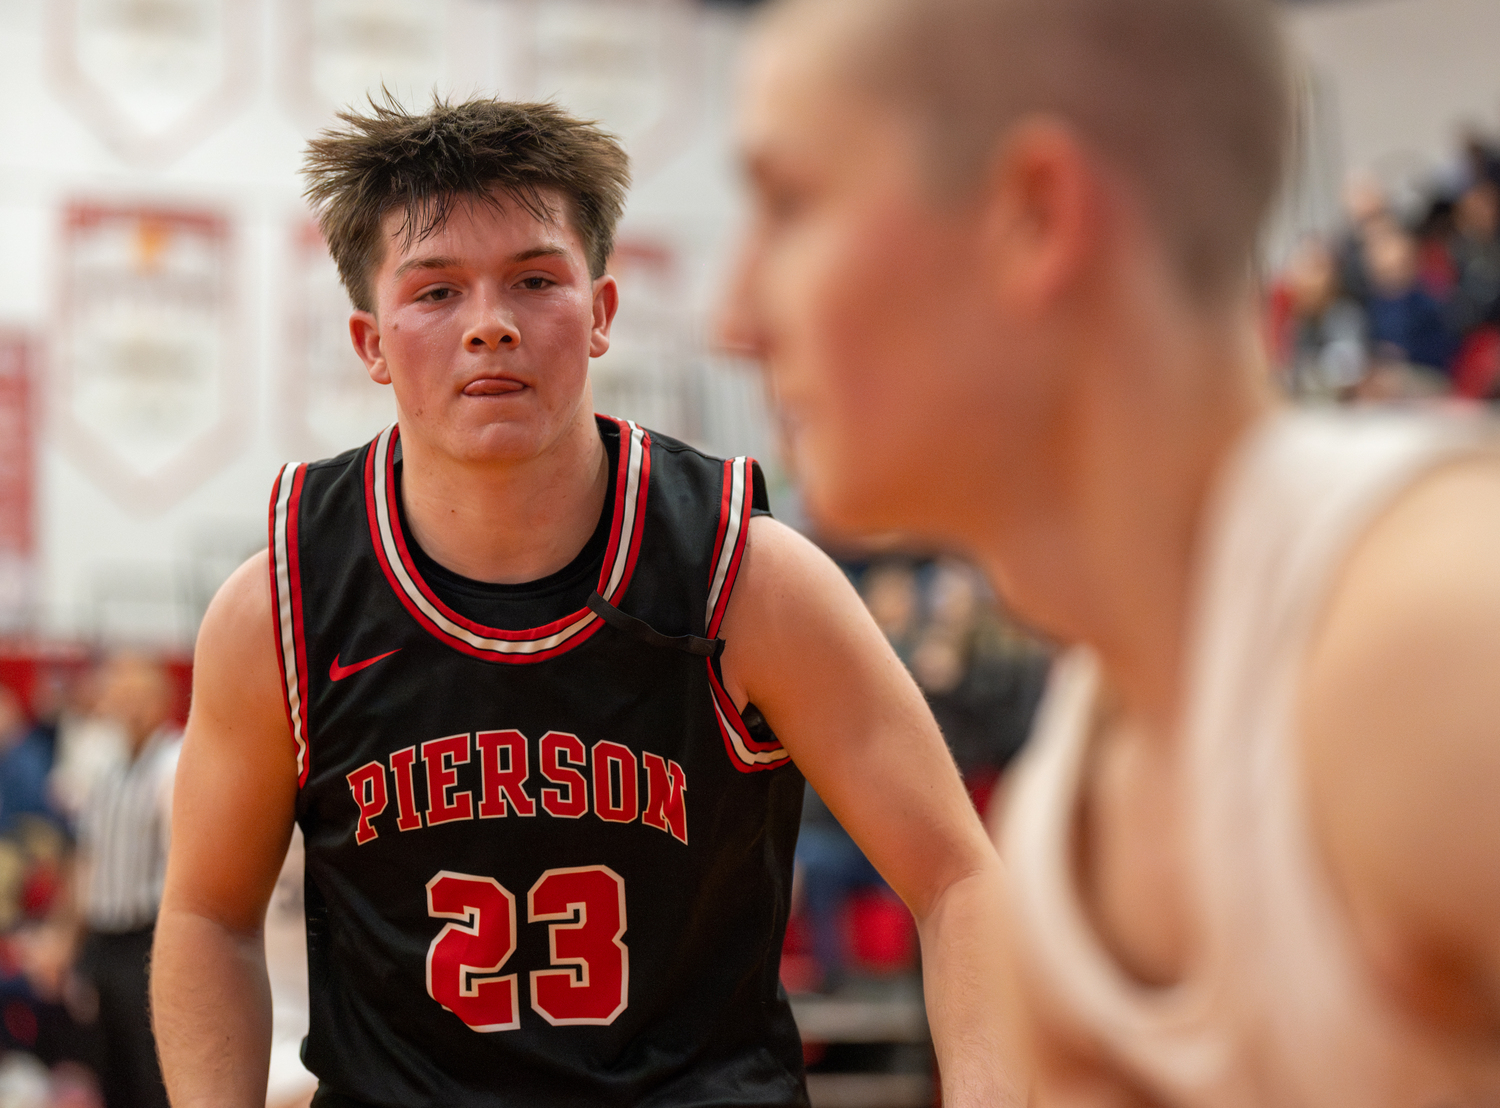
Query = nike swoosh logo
x=337 y=672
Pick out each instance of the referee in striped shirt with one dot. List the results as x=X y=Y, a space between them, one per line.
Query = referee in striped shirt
x=123 y=835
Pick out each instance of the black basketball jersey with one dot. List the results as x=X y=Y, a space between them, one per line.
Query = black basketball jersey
x=546 y=866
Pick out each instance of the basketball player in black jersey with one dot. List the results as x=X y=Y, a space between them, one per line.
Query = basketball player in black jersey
x=540 y=688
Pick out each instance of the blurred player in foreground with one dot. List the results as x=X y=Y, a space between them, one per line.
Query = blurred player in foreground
x=1001 y=276
x=539 y=687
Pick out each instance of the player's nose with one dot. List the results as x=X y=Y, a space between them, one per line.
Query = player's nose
x=738 y=329
x=492 y=327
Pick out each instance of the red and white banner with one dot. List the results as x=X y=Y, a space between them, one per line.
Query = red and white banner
x=17 y=481
x=329 y=401
x=152 y=79
x=148 y=393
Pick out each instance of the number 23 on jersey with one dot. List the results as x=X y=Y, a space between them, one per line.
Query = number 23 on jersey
x=584 y=908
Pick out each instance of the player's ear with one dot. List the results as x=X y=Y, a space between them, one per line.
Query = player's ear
x=1041 y=213
x=364 y=331
x=606 y=303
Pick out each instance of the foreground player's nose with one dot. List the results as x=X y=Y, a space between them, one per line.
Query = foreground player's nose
x=736 y=328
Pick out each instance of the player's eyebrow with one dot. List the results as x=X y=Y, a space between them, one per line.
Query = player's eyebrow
x=429 y=261
x=445 y=261
x=549 y=251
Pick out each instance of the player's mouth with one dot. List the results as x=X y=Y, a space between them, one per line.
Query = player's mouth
x=494 y=386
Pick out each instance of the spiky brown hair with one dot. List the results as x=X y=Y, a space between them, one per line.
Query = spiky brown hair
x=485 y=149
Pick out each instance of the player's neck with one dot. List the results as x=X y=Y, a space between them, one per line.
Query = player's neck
x=507 y=523
x=1110 y=561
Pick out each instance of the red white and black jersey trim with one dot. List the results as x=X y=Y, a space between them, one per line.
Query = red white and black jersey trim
x=286 y=599
x=492 y=643
x=748 y=754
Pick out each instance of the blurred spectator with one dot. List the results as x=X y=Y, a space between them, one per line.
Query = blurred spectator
x=90 y=746
x=1476 y=258
x=889 y=590
x=25 y=760
x=1430 y=297
x=982 y=679
x=830 y=867
x=123 y=838
x=1365 y=205
x=1321 y=332
x=1482 y=156
x=1406 y=321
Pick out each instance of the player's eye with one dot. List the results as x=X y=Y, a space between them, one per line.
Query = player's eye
x=437 y=294
x=535 y=283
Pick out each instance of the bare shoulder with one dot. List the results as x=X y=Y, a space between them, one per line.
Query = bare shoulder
x=236 y=677
x=245 y=596
x=239 y=625
x=1401 y=739
x=788 y=590
x=780 y=565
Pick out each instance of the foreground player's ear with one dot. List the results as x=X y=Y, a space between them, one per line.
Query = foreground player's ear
x=606 y=303
x=1041 y=213
x=364 y=331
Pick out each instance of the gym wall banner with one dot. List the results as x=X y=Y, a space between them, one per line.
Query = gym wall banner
x=634 y=65
x=645 y=375
x=337 y=52
x=151 y=80
x=17 y=481
x=148 y=389
x=329 y=400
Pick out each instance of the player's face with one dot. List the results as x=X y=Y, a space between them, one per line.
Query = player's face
x=485 y=329
x=857 y=293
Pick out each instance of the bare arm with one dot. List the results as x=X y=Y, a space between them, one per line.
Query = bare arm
x=802 y=648
x=1401 y=731
x=231 y=821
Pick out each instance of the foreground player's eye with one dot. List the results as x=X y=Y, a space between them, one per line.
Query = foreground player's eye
x=782 y=203
x=535 y=283
x=437 y=294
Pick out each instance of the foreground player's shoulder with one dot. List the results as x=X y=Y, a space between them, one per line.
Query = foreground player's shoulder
x=1401 y=729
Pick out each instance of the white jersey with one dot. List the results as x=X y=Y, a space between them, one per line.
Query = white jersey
x=1279 y=1009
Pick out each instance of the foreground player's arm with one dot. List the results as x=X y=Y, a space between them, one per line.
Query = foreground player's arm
x=1401 y=727
x=802 y=648
x=231 y=821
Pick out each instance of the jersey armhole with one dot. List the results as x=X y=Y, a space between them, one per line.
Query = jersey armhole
x=744 y=491
x=286 y=603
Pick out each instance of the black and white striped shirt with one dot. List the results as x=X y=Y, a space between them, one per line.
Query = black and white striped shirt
x=123 y=831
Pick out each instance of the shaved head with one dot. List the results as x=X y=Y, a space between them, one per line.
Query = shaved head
x=1188 y=98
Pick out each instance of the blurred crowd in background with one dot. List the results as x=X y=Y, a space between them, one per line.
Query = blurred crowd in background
x=1403 y=301
x=88 y=750
x=983 y=677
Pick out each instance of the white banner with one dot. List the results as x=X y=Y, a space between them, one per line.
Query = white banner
x=146 y=398
x=330 y=403
x=340 y=52
x=633 y=65
x=151 y=79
